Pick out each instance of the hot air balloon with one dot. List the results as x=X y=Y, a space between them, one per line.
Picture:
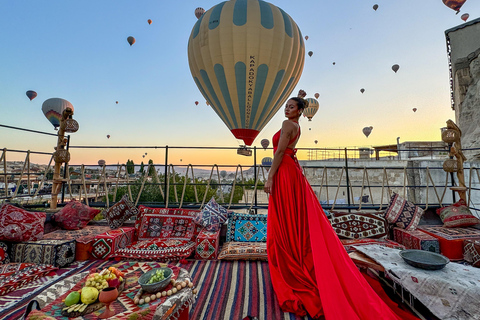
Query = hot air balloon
x=375 y=7
x=362 y=90
x=143 y=156
x=131 y=40
x=116 y=102
x=312 y=108
x=306 y=37
x=395 y=68
x=465 y=17
x=333 y=63
x=101 y=163
x=454 y=4
x=414 y=109
x=31 y=94
x=310 y=53
x=316 y=95
x=149 y=21
x=196 y=103
x=267 y=162
x=265 y=143
x=53 y=108
x=316 y=141
x=108 y=136
x=247 y=88
x=199 y=12
x=367 y=130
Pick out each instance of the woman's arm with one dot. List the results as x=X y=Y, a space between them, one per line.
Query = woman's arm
x=288 y=130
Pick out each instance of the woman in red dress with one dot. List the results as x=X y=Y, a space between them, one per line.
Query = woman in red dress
x=310 y=270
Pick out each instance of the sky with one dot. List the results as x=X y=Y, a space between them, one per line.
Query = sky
x=78 y=51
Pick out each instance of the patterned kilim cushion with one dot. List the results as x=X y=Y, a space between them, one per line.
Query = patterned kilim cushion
x=243 y=251
x=207 y=245
x=17 y=224
x=55 y=252
x=109 y=242
x=212 y=216
x=75 y=215
x=163 y=223
x=403 y=213
x=471 y=252
x=157 y=249
x=4 y=253
x=247 y=227
x=16 y=275
x=359 y=225
x=457 y=215
x=348 y=244
x=120 y=212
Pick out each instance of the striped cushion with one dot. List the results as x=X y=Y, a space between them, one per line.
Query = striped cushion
x=243 y=251
x=402 y=213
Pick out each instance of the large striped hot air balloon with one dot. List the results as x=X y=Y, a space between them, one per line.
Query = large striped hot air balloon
x=267 y=162
x=246 y=56
x=312 y=108
x=454 y=4
x=53 y=108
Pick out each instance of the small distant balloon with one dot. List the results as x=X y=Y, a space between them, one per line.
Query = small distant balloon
x=108 y=136
x=309 y=128
x=131 y=40
x=414 y=109
x=362 y=90
x=143 y=156
x=317 y=95
x=375 y=7
x=146 y=153
x=367 y=130
x=454 y=4
x=196 y=103
x=395 y=68
x=101 y=162
x=116 y=102
x=316 y=141
x=306 y=37
x=310 y=53
x=199 y=12
x=149 y=21
x=265 y=143
x=31 y=94
x=333 y=63
x=465 y=17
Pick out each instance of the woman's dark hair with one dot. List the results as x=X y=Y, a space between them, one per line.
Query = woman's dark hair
x=301 y=103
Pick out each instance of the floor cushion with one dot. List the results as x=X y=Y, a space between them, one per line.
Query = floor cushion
x=349 y=244
x=247 y=227
x=157 y=250
x=457 y=215
x=16 y=275
x=471 y=252
x=402 y=213
x=75 y=215
x=120 y=212
x=358 y=225
x=212 y=216
x=235 y=250
x=17 y=224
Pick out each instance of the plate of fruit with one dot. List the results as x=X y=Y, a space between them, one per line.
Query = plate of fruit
x=85 y=301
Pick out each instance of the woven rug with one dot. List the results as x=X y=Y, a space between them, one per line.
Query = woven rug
x=449 y=293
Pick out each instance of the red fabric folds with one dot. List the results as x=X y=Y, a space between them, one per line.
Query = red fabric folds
x=310 y=270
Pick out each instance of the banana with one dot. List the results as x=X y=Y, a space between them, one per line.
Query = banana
x=84 y=306
x=71 y=308
x=77 y=307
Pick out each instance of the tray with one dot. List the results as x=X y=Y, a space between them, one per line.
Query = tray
x=424 y=259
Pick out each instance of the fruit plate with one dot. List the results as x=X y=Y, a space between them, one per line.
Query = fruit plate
x=97 y=305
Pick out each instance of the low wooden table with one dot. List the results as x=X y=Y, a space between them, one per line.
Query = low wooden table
x=363 y=260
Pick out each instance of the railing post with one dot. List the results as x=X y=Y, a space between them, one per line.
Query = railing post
x=255 y=175
x=165 y=177
x=348 y=180
x=65 y=172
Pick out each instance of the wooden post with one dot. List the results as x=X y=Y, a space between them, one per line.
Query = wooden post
x=456 y=151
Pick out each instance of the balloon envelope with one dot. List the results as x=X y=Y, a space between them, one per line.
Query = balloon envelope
x=317 y=95
x=199 y=12
x=101 y=163
x=310 y=53
x=196 y=103
x=306 y=37
x=367 y=130
x=395 y=67
x=245 y=75
x=362 y=90
x=375 y=7
x=312 y=108
x=53 y=108
x=265 y=143
x=316 y=141
x=108 y=136
x=131 y=40
x=267 y=161
x=31 y=94
x=454 y=4
x=414 y=109
x=149 y=21
x=465 y=16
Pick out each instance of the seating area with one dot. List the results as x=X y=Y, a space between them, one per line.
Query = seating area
x=36 y=245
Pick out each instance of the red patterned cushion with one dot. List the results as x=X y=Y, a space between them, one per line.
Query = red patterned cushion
x=234 y=250
x=157 y=249
x=358 y=225
x=349 y=244
x=18 y=225
x=161 y=223
x=4 y=255
x=120 y=212
x=402 y=213
x=75 y=215
x=457 y=215
x=16 y=275
x=471 y=252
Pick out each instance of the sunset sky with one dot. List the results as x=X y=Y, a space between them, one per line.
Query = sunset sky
x=78 y=51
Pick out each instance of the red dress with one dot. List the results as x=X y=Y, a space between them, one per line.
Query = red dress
x=310 y=270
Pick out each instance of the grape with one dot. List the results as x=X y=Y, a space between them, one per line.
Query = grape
x=156 y=277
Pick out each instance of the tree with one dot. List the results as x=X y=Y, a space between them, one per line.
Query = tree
x=130 y=167
x=151 y=170
x=142 y=168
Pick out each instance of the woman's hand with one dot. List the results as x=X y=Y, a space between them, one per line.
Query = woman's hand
x=268 y=185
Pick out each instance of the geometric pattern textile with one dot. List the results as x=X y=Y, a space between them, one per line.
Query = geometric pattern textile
x=212 y=216
x=243 y=251
x=471 y=252
x=16 y=275
x=457 y=215
x=157 y=250
x=58 y=253
x=449 y=293
x=4 y=253
x=109 y=242
x=17 y=224
x=358 y=225
x=163 y=223
x=349 y=244
x=247 y=227
x=416 y=239
x=75 y=215
x=402 y=213
x=120 y=212
x=207 y=245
